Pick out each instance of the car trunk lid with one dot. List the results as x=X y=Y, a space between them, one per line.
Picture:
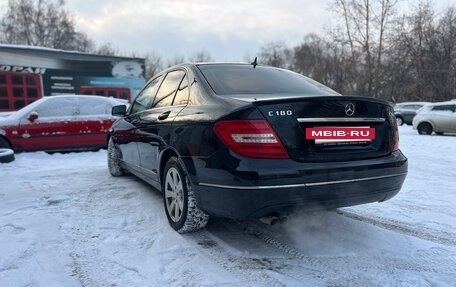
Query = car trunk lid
x=292 y=117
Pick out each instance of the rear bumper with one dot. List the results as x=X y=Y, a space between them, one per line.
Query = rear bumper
x=278 y=186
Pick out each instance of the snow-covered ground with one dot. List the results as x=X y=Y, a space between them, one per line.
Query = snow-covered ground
x=64 y=221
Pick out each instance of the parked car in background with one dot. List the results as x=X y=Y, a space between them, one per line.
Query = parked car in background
x=438 y=117
x=246 y=141
x=59 y=123
x=405 y=112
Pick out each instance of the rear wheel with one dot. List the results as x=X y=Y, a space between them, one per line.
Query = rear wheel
x=180 y=204
x=399 y=120
x=114 y=157
x=424 y=129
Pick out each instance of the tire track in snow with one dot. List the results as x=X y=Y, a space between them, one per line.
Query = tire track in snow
x=206 y=245
x=333 y=271
x=79 y=236
x=318 y=268
x=429 y=234
x=294 y=268
x=311 y=262
x=86 y=271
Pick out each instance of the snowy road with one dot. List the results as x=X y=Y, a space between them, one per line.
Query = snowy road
x=64 y=221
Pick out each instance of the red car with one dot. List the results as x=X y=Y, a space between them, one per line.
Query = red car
x=59 y=123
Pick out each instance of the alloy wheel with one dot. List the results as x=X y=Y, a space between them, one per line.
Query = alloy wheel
x=174 y=194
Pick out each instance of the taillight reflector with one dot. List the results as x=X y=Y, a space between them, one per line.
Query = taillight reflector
x=250 y=138
x=394 y=140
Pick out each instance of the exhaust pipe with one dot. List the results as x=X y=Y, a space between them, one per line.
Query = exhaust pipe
x=272 y=219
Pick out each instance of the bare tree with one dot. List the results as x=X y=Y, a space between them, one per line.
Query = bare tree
x=154 y=64
x=422 y=56
x=442 y=53
x=41 y=23
x=276 y=54
x=366 y=24
x=201 y=56
x=107 y=49
x=376 y=53
x=324 y=61
x=176 y=60
x=409 y=57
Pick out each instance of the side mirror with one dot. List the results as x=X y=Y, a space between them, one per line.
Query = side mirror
x=32 y=116
x=119 y=111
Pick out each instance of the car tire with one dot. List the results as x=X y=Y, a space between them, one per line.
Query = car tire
x=425 y=129
x=6 y=155
x=114 y=157
x=179 y=201
x=4 y=143
x=400 y=121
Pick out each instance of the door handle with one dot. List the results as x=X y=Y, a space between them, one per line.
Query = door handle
x=164 y=115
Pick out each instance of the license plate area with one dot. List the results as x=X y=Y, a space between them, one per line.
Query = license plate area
x=340 y=135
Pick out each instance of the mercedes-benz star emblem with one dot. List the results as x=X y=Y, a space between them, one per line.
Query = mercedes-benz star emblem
x=349 y=109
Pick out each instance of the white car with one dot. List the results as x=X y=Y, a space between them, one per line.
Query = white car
x=438 y=117
x=405 y=111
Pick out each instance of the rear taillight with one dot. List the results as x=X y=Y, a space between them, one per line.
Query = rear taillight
x=250 y=138
x=394 y=140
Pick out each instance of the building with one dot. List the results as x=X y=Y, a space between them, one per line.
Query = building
x=29 y=73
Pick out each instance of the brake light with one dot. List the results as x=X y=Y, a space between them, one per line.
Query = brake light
x=394 y=140
x=250 y=138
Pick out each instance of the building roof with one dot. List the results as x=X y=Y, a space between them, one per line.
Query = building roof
x=60 y=54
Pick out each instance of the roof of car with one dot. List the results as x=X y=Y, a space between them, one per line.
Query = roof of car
x=79 y=96
x=73 y=95
x=413 y=103
x=223 y=63
x=442 y=103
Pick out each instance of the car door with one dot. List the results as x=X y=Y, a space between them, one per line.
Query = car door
x=156 y=122
x=126 y=131
x=95 y=119
x=56 y=126
x=442 y=116
x=408 y=113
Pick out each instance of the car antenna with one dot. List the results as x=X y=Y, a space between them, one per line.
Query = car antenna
x=254 y=63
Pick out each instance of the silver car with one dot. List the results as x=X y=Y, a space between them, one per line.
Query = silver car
x=405 y=112
x=438 y=117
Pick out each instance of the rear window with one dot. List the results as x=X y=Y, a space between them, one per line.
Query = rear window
x=244 y=79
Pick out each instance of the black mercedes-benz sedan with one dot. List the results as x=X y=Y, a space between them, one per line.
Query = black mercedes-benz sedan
x=245 y=141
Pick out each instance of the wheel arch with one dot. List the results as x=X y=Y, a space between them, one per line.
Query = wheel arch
x=7 y=141
x=108 y=136
x=186 y=162
x=426 y=122
x=166 y=155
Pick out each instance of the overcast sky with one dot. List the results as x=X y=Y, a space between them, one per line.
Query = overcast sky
x=228 y=29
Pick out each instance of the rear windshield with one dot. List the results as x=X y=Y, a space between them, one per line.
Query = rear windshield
x=238 y=79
